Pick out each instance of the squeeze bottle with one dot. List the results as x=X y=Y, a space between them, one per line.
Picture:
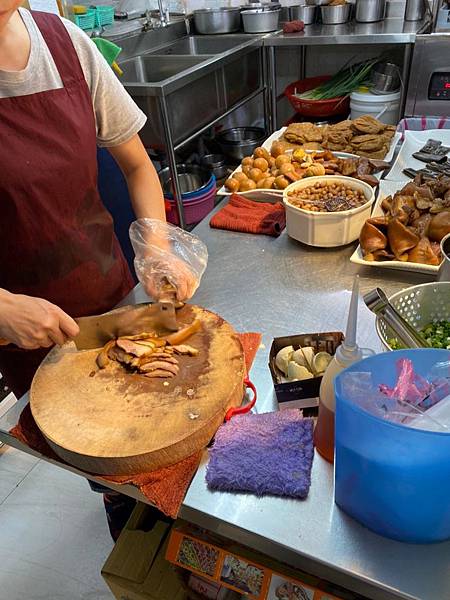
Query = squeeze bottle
x=346 y=354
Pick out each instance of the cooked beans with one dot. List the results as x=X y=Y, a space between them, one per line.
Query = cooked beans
x=326 y=196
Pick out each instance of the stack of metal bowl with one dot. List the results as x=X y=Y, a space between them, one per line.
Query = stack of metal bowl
x=239 y=142
x=198 y=192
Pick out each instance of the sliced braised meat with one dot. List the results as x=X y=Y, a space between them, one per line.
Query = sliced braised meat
x=159 y=364
x=133 y=347
x=160 y=373
x=185 y=349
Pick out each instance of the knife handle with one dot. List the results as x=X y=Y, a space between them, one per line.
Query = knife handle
x=168 y=292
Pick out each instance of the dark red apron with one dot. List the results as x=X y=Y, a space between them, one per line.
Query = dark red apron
x=57 y=240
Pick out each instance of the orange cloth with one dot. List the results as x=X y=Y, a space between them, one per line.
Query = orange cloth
x=248 y=216
x=165 y=488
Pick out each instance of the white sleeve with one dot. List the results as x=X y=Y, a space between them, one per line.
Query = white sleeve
x=117 y=116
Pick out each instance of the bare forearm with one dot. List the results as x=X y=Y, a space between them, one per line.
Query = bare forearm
x=145 y=192
x=143 y=183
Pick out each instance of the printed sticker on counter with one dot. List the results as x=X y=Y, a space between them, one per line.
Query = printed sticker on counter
x=198 y=556
x=282 y=588
x=242 y=575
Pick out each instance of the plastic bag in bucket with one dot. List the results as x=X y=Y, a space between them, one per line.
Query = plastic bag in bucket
x=392 y=465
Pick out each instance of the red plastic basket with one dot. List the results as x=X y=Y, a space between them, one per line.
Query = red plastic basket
x=316 y=108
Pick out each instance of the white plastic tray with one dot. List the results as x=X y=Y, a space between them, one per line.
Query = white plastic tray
x=388 y=188
x=264 y=195
x=414 y=141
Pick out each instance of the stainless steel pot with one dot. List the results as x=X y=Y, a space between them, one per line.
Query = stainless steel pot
x=260 y=20
x=369 y=11
x=191 y=178
x=215 y=162
x=209 y=21
x=239 y=142
x=332 y=15
x=304 y=13
x=385 y=78
x=317 y=2
x=415 y=10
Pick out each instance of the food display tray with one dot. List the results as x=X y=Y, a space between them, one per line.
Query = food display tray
x=265 y=195
x=413 y=142
x=388 y=188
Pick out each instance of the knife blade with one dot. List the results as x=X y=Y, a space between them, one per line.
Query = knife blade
x=95 y=331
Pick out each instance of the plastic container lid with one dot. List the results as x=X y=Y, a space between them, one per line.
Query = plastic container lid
x=374 y=98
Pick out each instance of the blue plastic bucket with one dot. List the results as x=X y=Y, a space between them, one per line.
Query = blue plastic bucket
x=392 y=478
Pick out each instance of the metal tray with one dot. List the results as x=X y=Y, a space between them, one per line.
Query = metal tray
x=265 y=195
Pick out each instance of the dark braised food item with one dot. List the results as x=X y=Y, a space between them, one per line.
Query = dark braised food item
x=326 y=196
x=415 y=220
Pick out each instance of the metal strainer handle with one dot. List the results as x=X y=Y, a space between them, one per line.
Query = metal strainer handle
x=377 y=301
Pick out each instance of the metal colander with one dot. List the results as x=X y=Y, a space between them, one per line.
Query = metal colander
x=420 y=305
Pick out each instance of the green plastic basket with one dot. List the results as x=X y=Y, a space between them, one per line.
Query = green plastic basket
x=86 y=21
x=104 y=15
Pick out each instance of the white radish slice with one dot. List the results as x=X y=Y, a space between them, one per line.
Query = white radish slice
x=299 y=372
x=283 y=357
x=321 y=362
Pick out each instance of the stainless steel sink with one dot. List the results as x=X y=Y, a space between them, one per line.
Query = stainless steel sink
x=190 y=82
x=195 y=45
x=154 y=69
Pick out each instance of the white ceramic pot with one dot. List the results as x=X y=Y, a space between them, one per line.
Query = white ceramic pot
x=327 y=230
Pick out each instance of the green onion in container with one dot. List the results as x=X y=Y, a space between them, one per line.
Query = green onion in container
x=345 y=82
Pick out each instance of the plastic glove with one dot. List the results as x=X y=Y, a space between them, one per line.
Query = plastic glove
x=167 y=254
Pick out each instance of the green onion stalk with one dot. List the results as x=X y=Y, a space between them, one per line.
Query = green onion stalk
x=345 y=82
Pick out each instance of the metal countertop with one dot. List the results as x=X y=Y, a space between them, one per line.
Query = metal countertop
x=389 y=31
x=280 y=287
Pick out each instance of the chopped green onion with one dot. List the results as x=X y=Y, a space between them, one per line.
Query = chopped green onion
x=437 y=335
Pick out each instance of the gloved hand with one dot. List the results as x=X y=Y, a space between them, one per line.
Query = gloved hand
x=161 y=275
x=166 y=254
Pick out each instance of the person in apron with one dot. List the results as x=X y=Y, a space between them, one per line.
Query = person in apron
x=59 y=257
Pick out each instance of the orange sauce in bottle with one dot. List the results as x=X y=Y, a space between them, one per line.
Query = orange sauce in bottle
x=324 y=433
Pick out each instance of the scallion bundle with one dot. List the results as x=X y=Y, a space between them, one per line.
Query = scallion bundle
x=345 y=82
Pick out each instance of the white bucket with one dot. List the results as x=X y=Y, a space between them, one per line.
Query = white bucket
x=384 y=107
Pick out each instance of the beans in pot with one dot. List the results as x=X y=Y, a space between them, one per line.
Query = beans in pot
x=325 y=196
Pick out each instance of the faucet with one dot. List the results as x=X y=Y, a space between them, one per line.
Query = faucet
x=97 y=32
x=164 y=17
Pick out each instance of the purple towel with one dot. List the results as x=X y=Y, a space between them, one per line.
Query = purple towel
x=270 y=453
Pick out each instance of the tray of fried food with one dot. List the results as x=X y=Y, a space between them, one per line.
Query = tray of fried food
x=364 y=136
x=264 y=175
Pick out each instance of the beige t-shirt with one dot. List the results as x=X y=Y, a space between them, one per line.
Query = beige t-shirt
x=117 y=116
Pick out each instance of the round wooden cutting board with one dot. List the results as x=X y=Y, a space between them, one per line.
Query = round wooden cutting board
x=114 y=422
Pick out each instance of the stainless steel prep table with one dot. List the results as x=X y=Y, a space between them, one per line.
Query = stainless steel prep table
x=389 y=31
x=279 y=287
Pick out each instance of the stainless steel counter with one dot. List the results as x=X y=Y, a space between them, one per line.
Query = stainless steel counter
x=279 y=287
x=389 y=31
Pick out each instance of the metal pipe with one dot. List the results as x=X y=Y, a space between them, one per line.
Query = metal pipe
x=170 y=150
x=407 y=56
x=272 y=82
x=164 y=15
x=265 y=75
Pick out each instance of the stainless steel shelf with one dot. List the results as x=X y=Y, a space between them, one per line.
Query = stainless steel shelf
x=389 y=31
